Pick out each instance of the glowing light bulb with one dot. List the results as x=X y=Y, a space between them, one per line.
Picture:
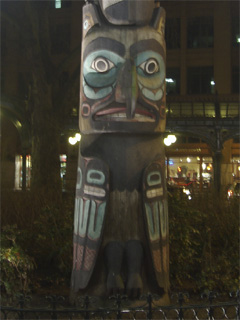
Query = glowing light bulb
x=172 y=138
x=78 y=136
x=72 y=140
x=167 y=142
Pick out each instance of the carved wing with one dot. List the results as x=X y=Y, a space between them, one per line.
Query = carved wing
x=156 y=220
x=92 y=193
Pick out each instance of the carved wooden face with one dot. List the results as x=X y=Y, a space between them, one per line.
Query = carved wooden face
x=123 y=80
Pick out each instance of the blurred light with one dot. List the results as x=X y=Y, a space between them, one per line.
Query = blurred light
x=238 y=168
x=188 y=159
x=230 y=193
x=238 y=39
x=18 y=124
x=72 y=140
x=78 y=136
x=186 y=191
x=63 y=157
x=167 y=142
x=204 y=166
x=179 y=169
x=75 y=139
x=212 y=83
x=169 y=80
x=58 y=4
x=171 y=138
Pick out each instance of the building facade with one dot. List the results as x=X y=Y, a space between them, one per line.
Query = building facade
x=202 y=77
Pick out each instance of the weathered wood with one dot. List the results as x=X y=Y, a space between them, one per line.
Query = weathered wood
x=122 y=118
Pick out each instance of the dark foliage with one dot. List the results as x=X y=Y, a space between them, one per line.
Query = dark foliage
x=203 y=242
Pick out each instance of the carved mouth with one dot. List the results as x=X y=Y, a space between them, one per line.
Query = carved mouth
x=94 y=191
x=120 y=114
x=152 y=193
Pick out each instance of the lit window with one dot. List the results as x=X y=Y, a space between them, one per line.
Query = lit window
x=187 y=173
x=19 y=171
x=58 y=4
x=63 y=169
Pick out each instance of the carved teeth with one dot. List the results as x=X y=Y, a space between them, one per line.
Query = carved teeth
x=122 y=116
x=94 y=191
x=152 y=193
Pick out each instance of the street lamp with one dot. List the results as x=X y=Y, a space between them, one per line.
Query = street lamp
x=75 y=139
x=171 y=138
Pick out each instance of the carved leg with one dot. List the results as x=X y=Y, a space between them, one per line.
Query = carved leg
x=134 y=255
x=113 y=257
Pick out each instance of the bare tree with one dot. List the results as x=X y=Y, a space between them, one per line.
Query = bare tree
x=49 y=98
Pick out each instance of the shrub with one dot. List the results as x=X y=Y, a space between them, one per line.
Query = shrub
x=204 y=245
x=204 y=242
x=45 y=232
x=16 y=265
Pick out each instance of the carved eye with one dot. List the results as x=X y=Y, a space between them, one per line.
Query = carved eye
x=150 y=66
x=102 y=65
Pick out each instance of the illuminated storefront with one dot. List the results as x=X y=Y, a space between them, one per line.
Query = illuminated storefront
x=190 y=171
x=189 y=163
x=23 y=171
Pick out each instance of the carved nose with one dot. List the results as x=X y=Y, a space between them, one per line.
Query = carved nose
x=127 y=89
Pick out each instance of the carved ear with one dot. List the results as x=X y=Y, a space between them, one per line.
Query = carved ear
x=90 y=18
x=158 y=20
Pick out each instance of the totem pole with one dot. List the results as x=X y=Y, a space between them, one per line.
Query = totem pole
x=120 y=239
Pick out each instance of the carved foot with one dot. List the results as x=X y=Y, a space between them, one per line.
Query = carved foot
x=113 y=257
x=134 y=254
x=114 y=284
x=134 y=285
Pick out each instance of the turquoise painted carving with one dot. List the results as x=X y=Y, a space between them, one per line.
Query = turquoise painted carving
x=154 y=178
x=88 y=218
x=95 y=177
x=79 y=178
x=123 y=73
x=89 y=214
x=154 y=213
x=95 y=224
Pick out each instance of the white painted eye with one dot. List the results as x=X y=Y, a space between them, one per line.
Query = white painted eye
x=102 y=65
x=150 y=66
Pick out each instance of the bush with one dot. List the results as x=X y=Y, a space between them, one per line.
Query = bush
x=204 y=242
x=16 y=265
x=45 y=231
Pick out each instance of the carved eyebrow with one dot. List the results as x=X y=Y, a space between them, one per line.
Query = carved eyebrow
x=146 y=45
x=106 y=44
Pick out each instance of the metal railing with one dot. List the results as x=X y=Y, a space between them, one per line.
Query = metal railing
x=119 y=307
x=203 y=109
